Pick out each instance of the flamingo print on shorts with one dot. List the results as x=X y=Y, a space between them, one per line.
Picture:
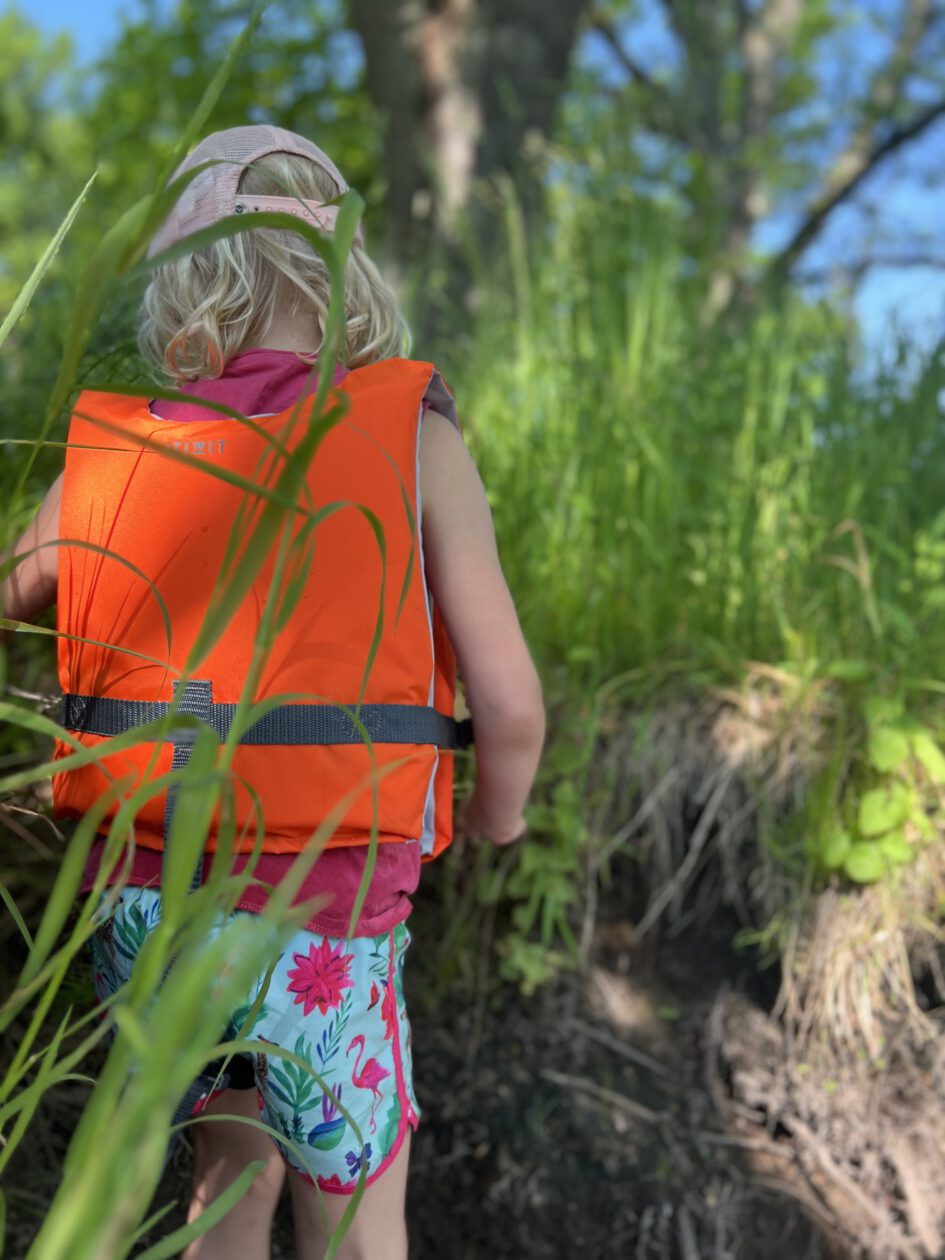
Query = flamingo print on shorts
x=369 y=1077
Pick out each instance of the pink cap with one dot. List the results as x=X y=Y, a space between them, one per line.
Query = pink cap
x=212 y=195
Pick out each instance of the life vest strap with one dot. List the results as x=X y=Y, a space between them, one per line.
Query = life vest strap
x=285 y=724
x=196 y=700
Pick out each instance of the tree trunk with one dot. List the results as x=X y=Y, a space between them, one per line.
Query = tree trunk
x=463 y=85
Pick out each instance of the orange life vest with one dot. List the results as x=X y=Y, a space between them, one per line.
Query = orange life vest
x=144 y=538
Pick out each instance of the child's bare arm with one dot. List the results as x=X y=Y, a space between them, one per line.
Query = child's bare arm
x=502 y=686
x=30 y=588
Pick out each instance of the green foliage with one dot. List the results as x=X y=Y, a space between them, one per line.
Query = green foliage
x=666 y=491
x=300 y=71
x=167 y=1020
x=548 y=870
x=878 y=817
x=673 y=500
x=46 y=155
x=527 y=963
x=25 y=294
x=888 y=748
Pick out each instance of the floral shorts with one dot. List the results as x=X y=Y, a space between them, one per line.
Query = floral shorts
x=338 y=1005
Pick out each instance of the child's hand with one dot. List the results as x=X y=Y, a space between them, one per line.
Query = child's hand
x=472 y=821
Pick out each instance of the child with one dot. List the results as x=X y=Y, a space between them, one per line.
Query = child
x=240 y=324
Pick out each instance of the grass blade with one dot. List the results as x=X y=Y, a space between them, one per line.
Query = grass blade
x=172 y=1244
x=25 y=295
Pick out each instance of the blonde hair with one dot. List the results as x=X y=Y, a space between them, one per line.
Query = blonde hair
x=201 y=310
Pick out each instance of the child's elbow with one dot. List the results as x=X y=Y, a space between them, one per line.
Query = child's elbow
x=515 y=714
x=528 y=725
x=529 y=714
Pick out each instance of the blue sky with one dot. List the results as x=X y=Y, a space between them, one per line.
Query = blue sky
x=898 y=211
x=910 y=299
x=88 y=30
x=92 y=24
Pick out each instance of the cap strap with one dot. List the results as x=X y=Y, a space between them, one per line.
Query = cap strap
x=324 y=216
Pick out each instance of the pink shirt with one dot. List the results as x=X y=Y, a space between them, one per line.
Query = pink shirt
x=265 y=382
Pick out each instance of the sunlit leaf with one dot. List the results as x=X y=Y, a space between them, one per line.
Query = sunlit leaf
x=864 y=863
x=881 y=809
x=888 y=748
x=834 y=852
x=930 y=756
x=896 y=848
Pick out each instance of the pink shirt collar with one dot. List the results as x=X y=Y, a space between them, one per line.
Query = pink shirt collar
x=255 y=382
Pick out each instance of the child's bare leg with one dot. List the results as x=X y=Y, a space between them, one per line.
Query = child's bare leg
x=379 y=1228
x=221 y=1152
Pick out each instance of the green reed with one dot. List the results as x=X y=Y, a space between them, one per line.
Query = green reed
x=677 y=496
x=197 y=964
x=673 y=498
x=669 y=489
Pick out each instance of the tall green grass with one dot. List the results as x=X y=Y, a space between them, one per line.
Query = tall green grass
x=676 y=498
x=673 y=494
x=673 y=499
x=198 y=964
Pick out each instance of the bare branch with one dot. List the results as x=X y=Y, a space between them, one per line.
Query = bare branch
x=855 y=271
x=666 y=116
x=698 y=28
x=888 y=84
x=677 y=19
x=603 y=27
x=846 y=177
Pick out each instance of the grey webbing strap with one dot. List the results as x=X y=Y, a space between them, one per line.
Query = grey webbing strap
x=197 y=701
x=286 y=724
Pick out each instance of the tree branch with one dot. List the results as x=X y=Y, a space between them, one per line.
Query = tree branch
x=857 y=270
x=864 y=153
x=763 y=39
x=606 y=28
x=669 y=118
x=888 y=85
x=846 y=177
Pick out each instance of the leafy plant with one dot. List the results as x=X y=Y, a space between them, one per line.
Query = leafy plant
x=881 y=818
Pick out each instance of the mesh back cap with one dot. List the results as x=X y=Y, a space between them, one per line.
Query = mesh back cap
x=212 y=195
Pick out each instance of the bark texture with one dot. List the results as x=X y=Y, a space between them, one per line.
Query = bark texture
x=462 y=85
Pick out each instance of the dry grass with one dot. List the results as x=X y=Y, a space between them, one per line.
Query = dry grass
x=699 y=793
x=849 y=972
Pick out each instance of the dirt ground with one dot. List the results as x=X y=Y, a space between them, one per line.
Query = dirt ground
x=641 y=1108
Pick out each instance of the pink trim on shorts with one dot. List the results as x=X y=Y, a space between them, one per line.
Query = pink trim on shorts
x=408 y=1117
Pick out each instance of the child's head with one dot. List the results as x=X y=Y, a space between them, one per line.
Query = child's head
x=201 y=310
